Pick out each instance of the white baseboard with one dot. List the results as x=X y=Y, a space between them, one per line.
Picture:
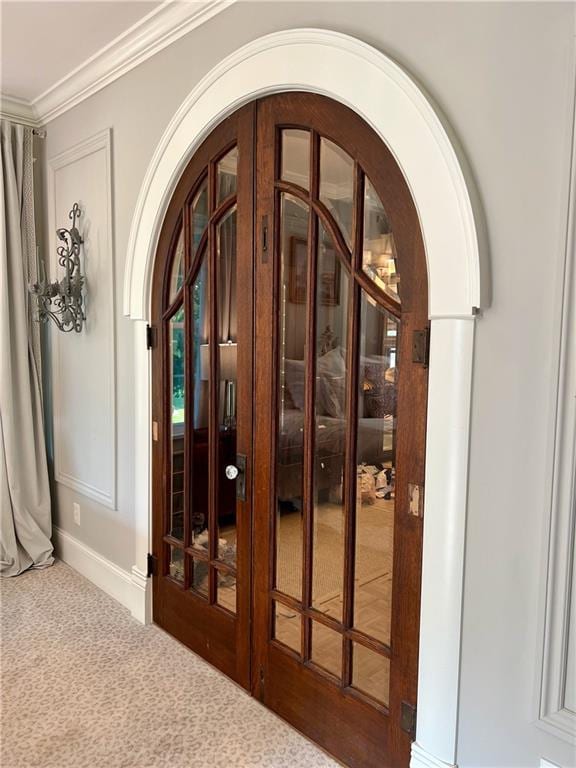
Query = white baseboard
x=420 y=758
x=142 y=596
x=131 y=589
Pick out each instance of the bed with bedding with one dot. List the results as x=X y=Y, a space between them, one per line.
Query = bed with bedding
x=376 y=422
x=375 y=445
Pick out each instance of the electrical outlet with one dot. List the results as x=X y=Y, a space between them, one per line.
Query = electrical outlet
x=76 y=512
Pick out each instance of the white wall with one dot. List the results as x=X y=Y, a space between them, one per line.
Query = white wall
x=503 y=76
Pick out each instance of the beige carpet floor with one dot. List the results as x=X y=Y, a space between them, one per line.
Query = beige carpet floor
x=83 y=685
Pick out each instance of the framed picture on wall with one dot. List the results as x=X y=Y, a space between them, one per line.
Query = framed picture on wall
x=328 y=274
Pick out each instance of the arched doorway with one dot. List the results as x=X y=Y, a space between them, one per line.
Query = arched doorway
x=356 y=74
x=289 y=393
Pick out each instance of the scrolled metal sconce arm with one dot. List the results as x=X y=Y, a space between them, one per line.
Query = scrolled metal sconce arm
x=62 y=301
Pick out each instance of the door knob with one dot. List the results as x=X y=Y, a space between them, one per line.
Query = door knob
x=238 y=472
x=232 y=472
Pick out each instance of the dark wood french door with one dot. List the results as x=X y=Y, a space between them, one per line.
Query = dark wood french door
x=202 y=307
x=289 y=410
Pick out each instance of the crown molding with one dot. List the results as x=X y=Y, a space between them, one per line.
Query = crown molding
x=17 y=110
x=155 y=31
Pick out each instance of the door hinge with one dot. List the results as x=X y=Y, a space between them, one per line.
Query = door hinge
x=421 y=347
x=151 y=565
x=408 y=719
x=150 y=336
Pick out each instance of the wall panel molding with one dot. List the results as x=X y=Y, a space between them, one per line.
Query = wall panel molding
x=90 y=159
x=556 y=715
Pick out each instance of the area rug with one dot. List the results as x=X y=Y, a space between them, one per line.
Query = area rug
x=373 y=549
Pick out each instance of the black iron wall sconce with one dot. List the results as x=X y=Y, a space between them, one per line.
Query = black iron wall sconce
x=62 y=301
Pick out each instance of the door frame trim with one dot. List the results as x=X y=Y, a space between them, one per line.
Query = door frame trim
x=453 y=231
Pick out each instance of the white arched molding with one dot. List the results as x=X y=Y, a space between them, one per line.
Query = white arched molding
x=373 y=86
x=364 y=79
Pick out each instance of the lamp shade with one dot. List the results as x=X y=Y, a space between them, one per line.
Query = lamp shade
x=228 y=356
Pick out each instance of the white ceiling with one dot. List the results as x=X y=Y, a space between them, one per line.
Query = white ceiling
x=41 y=42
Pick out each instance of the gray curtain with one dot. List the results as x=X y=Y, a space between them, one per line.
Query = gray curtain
x=25 y=510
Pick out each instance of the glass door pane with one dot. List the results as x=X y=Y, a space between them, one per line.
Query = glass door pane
x=371 y=673
x=227 y=353
x=295 y=166
x=379 y=257
x=332 y=286
x=376 y=467
x=337 y=185
x=326 y=649
x=198 y=217
x=200 y=405
x=227 y=175
x=177 y=272
x=292 y=375
x=177 y=358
